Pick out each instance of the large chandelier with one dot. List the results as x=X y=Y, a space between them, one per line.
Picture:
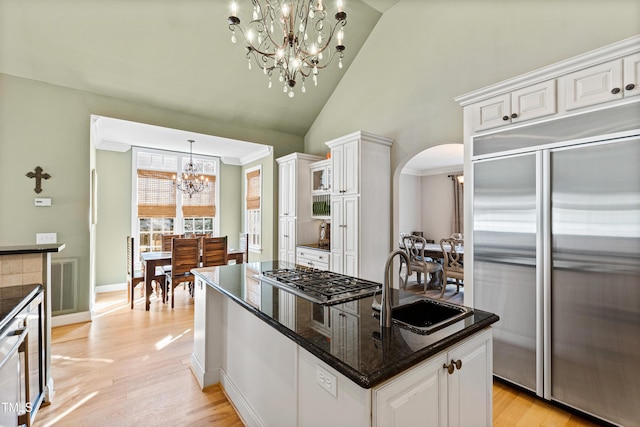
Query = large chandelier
x=291 y=38
x=190 y=182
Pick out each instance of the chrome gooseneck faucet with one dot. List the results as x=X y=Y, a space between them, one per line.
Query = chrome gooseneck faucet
x=385 y=309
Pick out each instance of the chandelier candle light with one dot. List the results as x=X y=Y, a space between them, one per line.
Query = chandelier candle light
x=189 y=182
x=292 y=38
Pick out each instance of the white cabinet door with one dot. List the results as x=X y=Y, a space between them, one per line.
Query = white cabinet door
x=337 y=235
x=632 y=75
x=417 y=395
x=351 y=232
x=434 y=396
x=282 y=238
x=470 y=386
x=287 y=188
x=287 y=239
x=533 y=101
x=345 y=232
x=337 y=169
x=594 y=85
x=350 y=170
x=345 y=165
x=492 y=112
x=291 y=240
x=524 y=104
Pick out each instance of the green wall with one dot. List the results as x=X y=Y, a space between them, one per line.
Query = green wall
x=422 y=54
x=47 y=125
x=114 y=216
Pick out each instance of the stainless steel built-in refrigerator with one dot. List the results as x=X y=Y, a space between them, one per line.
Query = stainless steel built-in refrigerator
x=556 y=254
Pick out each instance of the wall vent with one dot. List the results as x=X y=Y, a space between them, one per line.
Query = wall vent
x=64 y=296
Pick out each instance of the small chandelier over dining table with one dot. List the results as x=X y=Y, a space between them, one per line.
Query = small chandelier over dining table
x=291 y=38
x=189 y=181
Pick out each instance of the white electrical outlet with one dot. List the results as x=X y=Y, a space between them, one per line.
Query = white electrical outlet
x=327 y=380
x=46 y=238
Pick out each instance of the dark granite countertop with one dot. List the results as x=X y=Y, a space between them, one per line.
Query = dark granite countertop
x=31 y=249
x=15 y=298
x=365 y=355
x=315 y=246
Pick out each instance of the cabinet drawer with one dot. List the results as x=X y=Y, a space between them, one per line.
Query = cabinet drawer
x=312 y=258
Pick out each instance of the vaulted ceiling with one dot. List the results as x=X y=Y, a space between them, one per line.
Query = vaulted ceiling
x=173 y=54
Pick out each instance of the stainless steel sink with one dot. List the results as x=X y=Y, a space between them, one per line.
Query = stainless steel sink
x=426 y=316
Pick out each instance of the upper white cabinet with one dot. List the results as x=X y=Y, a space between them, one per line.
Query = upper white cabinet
x=345 y=166
x=607 y=75
x=523 y=104
x=602 y=83
x=631 y=75
x=294 y=204
x=360 y=204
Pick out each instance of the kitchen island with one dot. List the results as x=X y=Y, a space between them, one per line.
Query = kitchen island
x=286 y=361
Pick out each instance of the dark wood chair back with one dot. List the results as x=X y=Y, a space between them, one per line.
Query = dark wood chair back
x=185 y=255
x=166 y=241
x=214 y=251
x=133 y=277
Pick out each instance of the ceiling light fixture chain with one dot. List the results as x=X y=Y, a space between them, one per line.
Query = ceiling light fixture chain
x=292 y=38
x=189 y=182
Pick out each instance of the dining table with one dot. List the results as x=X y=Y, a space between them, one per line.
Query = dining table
x=151 y=260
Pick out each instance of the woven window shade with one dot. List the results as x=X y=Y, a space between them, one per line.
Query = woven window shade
x=156 y=194
x=201 y=204
x=253 y=190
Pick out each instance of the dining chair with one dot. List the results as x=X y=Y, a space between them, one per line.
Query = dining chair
x=452 y=266
x=185 y=255
x=134 y=277
x=166 y=241
x=414 y=247
x=243 y=245
x=214 y=251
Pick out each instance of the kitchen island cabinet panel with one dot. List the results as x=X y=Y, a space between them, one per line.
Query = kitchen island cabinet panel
x=452 y=389
x=351 y=406
x=261 y=363
x=278 y=370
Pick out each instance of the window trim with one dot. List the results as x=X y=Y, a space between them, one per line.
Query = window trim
x=178 y=222
x=251 y=247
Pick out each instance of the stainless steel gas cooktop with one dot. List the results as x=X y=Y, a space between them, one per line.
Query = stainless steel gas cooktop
x=321 y=287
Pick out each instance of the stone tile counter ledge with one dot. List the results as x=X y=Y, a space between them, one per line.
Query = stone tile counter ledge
x=25 y=269
x=333 y=365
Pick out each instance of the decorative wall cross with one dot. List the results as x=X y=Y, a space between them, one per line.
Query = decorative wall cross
x=39 y=176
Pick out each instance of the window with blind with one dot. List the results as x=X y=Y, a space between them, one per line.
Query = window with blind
x=254 y=209
x=160 y=208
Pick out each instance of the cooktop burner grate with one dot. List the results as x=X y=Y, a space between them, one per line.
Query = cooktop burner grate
x=323 y=287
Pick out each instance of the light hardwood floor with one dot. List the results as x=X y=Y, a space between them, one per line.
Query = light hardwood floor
x=131 y=367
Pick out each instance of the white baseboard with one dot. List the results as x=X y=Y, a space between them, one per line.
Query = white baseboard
x=111 y=288
x=205 y=379
x=69 y=319
x=244 y=410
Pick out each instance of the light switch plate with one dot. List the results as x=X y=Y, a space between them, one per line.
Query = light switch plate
x=46 y=238
x=327 y=380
